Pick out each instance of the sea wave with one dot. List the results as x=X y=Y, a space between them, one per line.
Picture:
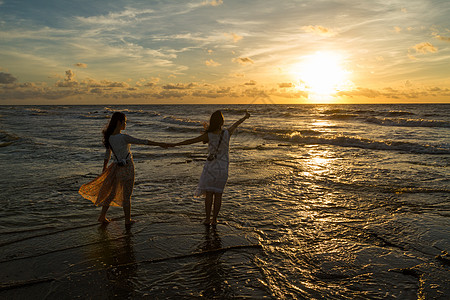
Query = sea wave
x=397 y=113
x=282 y=131
x=37 y=111
x=181 y=121
x=94 y=116
x=356 y=142
x=133 y=111
x=348 y=112
x=342 y=116
x=7 y=139
x=363 y=113
x=408 y=122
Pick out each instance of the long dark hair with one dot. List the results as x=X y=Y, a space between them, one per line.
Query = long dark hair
x=117 y=116
x=215 y=122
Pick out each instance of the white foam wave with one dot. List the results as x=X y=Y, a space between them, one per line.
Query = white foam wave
x=409 y=122
x=356 y=142
x=181 y=121
x=133 y=111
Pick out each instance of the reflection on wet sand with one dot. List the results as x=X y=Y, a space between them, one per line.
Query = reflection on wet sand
x=209 y=267
x=118 y=259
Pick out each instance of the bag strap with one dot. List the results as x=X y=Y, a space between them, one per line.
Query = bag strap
x=220 y=140
x=110 y=147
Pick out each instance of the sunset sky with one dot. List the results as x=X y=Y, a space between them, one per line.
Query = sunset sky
x=230 y=51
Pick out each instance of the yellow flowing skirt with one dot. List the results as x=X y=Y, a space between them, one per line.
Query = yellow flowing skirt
x=112 y=188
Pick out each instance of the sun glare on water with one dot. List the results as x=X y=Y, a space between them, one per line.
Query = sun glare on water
x=321 y=75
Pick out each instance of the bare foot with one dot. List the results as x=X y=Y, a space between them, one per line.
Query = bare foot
x=104 y=220
x=206 y=222
x=130 y=222
x=214 y=222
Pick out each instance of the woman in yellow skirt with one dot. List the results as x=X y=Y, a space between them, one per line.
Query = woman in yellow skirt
x=115 y=185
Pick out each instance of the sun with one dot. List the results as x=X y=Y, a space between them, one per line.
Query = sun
x=321 y=75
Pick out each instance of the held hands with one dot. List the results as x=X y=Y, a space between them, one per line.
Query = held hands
x=167 y=145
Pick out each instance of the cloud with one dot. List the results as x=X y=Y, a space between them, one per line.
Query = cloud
x=442 y=38
x=412 y=57
x=212 y=63
x=243 y=60
x=129 y=15
x=251 y=82
x=96 y=91
x=285 y=85
x=293 y=95
x=91 y=83
x=425 y=47
x=81 y=65
x=237 y=75
x=364 y=92
x=319 y=30
x=215 y=93
x=152 y=82
x=213 y=2
x=236 y=38
x=70 y=75
x=169 y=94
x=69 y=81
x=179 y=86
x=397 y=29
x=6 y=78
x=256 y=93
x=391 y=93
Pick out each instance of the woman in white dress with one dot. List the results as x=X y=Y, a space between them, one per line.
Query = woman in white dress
x=215 y=172
x=115 y=185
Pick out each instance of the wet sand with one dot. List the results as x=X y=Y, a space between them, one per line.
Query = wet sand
x=157 y=259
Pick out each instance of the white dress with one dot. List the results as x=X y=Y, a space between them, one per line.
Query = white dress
x=215 y=172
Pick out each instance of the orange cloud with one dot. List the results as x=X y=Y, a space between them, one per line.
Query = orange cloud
x=319 y=30
x=213 y=2
x=81 y=65
x=285 y=85
x=212 y=63
x=243 y=60
x=69 y=81
x=236 y=38
x=91 y=83
x=442 y=38
x=179 y=86
x=425 y=47
x=237 y=75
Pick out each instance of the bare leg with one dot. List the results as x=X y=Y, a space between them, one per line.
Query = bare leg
x=102 y=218
x=128 y=190
x=127 y=213
x=208 y=205
x=217 y=205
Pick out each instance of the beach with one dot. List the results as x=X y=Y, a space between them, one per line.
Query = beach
x=322 y=202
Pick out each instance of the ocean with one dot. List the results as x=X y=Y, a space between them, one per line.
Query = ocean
x=322 y=202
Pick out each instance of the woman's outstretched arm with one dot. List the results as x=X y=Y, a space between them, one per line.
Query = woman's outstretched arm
x=201 y=138
x=239 y=122
x=151 y=143
x=132 y=140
